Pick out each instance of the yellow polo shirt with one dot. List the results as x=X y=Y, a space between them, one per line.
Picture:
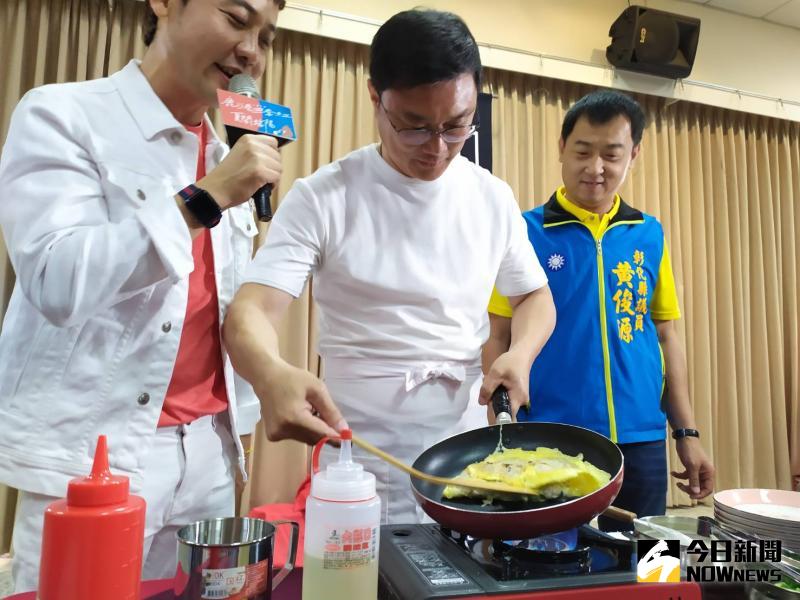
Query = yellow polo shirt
x=663 y=304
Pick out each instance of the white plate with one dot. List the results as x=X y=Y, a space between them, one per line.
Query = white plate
x=789 y=542
x=774 y=508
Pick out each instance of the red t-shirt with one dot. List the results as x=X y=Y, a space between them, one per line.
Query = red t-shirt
x=197 y=387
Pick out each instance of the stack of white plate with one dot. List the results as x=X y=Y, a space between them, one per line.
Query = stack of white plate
x=768 y=514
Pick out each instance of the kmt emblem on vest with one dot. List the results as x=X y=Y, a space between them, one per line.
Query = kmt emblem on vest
x=555 y=262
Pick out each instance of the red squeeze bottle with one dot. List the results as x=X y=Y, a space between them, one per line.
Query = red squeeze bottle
x=93 y=540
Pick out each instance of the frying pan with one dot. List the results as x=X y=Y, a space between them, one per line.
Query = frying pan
x=517 y=519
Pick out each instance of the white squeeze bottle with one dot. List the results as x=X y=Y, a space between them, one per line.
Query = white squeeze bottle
x=343 y=517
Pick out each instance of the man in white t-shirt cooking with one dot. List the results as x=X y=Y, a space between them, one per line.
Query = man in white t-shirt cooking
x=405 y=240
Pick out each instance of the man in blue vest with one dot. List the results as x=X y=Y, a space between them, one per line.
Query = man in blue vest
x=614 y=363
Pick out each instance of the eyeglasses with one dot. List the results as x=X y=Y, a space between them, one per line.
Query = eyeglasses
x=420 y=135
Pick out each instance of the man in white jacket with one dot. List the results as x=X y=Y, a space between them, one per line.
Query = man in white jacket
x=405 y=240
x=129 y=229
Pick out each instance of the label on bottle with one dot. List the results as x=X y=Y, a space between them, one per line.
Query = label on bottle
x=350 y=548
x=237 y=583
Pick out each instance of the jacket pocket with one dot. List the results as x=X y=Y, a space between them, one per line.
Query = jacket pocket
x=126 y=191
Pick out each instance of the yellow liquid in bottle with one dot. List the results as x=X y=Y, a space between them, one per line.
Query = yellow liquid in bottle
x=355 y=583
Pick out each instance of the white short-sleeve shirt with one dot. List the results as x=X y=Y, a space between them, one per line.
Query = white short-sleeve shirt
x=403 y=268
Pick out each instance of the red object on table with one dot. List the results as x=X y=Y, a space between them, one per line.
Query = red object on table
x=92 y=541
x=151 y=590
x=289 y=589
x=295 y=511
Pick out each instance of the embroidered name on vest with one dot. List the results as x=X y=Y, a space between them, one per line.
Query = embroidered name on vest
x=630 y=280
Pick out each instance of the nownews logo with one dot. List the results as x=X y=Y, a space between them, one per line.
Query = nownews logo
x=660 y=560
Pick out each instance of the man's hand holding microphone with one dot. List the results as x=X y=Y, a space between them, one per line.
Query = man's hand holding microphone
x=250 y=169
x=253 y=162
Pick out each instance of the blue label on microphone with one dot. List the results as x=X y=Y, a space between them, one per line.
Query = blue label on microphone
x=277 y=120
x=256 y=115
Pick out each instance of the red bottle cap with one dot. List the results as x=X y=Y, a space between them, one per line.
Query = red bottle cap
x=100 y=487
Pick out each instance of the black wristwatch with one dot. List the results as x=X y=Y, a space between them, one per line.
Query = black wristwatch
x=682 y=433
x=202 y=205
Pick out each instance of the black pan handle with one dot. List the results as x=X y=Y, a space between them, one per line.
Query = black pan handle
x=501 y=405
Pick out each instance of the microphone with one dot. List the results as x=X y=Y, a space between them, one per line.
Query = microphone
x=243 y=112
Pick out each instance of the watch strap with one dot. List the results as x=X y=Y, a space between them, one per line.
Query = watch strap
x=685 y=432
x=202 y=205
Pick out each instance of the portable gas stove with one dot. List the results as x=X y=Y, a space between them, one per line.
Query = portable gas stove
x=428 y=562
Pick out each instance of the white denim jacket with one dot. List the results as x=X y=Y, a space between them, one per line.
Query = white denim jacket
x=102 y=257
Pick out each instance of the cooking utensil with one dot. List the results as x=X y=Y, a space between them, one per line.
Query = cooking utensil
x=501 y=404
x=230 y=557
x=478 y=484
x=516 y=520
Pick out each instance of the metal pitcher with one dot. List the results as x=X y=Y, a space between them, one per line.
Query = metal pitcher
x=230 y=559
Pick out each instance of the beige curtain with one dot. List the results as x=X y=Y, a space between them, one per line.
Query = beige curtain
x=723 y=184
